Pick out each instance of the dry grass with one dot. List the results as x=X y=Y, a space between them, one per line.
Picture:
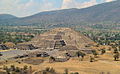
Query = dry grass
x=104 y=63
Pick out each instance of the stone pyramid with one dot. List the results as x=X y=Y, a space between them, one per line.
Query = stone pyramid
x=61 y=38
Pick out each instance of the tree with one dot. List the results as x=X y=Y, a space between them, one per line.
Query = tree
x=91 y=59
x=51 y=59
x=25 y=67
x=116 y=56
x=30 y=69
x=119 y=48
x=66 y=71
x=115 y=50
x=12 y=68
x=49 y=70
x=52 y=70
x=102 y=51
x=80 y=54
x=94 y=52
x=17 y=69
x=0 y=54
x=6 y=69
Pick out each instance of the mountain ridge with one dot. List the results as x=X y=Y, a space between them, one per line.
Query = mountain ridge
x=101 y=13
x=7 y=16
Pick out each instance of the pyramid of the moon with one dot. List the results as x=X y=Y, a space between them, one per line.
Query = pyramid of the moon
x=59 y=38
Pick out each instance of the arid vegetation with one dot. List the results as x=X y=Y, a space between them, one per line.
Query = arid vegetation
x=19 y=34
x=55 y=56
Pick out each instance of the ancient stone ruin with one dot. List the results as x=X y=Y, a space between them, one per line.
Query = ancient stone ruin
x=25 y=47
x=62 y=39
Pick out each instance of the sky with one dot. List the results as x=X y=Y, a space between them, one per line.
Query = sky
x=22 y=8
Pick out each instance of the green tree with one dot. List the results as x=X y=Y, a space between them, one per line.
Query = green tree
x=119 y=48
x=30 y=69
x=25 y=67
x=66 y=71
x=80 y=54
x=17 y=69
x=0 y=54
x=52 y=70
x=94 y=52
x=51 y=59
x=7 y=70
x=102 y=51
x=116 y=56
x=47 y=69
x=115 y=50
x=91 y=59
x=12 y=67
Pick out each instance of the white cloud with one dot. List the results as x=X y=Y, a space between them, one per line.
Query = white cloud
x=87 y=4
x=17 y=8
x=68 y=4
x=24 y=9
x=74 y=4
x=109 y=0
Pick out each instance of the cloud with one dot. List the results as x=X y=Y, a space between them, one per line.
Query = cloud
x=74 y=4
x=87 y=4
x=68 y=4
x=109 y=0
x=30 y=7
x=33 y=7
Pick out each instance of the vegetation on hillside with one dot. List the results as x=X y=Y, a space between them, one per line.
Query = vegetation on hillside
x=19 y=34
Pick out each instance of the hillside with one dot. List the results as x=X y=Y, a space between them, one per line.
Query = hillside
x=6 y=16
x=101 y=13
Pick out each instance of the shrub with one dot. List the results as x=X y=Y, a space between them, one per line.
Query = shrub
x=102 y=51
x=91 y=59
x=12 y=68
x=94 y=52
x=66 y=71
x=25 y=67
x=80 y=54
x=116 y=56
x=17 y=69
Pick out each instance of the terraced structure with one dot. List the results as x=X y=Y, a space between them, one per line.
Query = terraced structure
x=61 y=38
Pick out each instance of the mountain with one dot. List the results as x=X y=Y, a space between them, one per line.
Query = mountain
x=107 y=13
x=6 y=16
